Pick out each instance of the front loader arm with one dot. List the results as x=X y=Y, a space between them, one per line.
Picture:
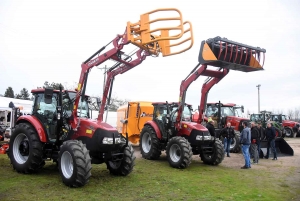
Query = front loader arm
x=141 y=55
x=149 y=40
x=224 y=54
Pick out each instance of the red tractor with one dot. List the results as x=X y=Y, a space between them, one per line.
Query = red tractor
x=60 y=129
x=286 y=123
x=223 y=114
x=171 y=128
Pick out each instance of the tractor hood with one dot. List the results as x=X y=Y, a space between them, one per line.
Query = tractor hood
x=193 y=125
x=289 y=123
x=238 y=119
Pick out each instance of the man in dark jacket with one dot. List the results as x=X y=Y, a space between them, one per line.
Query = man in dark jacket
x=228 y=134
x=245 y=141
x=211 y=127
x=271 y=134
x=254 y=139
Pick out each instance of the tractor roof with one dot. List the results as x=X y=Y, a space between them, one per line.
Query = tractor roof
x=170 y=103
x=224 y=104
x=42 y=90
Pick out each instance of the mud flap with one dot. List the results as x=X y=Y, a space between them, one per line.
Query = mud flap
x=282 y=148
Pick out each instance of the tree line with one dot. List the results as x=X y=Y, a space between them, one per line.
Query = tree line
x=114 y=104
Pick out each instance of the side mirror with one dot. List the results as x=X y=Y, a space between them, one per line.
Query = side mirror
x=242 y=109
x=48 y=94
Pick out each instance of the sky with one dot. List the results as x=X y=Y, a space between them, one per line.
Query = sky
x=48 y=41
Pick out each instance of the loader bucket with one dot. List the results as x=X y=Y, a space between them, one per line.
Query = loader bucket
x=282 y=148
x=224 y=53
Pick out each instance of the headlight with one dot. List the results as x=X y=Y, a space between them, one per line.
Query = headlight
x=200 y=137
x=110 y=140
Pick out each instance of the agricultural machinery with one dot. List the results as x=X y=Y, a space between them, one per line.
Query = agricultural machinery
x=170 y=128
x=223 y=114
x=60 y=129
x=281 y=145
x=287 y=124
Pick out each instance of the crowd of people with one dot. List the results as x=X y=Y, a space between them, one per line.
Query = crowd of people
x=250 y=140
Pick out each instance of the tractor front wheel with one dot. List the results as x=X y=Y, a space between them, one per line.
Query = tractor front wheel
x=125 y=165
x=235 y=145
x=26 y=149
x=288 y=132
x=149 y=144
x=179 y=152
x=74 y=163
x=216 y=156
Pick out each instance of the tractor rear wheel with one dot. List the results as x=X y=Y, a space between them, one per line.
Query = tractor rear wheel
x=217 y=155
x=179 y=152
x=235 y=145
x=288 y=132
x=74 y=163
x=26 y=149
x=149 y=144
x=124 y=166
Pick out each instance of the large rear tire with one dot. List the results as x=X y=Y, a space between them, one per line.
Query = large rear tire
x=124 y=166
x=288 y=132
x=149 y=144
x=74 y=163
x=26 y=149
x=179 y=152
x=217 y=155
x=235 y=145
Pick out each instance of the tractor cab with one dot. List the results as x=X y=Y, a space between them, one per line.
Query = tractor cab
x=49 y=110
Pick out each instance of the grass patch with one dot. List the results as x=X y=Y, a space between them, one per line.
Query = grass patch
x=150 y=180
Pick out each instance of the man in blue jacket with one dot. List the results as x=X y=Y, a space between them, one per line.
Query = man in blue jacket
x=245 y=141
x=271 y=134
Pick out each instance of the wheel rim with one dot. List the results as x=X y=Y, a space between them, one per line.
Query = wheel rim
x=21 y=148
x=175 y=153
x=233 y=143
x=115 y=164
x=288 y=132
x=146 y=142
x=67 y=164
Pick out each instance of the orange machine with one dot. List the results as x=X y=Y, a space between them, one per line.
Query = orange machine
x=136 y=115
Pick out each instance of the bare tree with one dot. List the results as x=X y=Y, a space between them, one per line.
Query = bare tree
x=290 y=114
x=297 y=112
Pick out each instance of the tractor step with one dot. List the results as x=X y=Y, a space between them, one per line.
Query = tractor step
x=224 y=53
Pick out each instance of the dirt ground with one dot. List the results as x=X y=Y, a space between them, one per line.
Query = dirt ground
x=283 y=164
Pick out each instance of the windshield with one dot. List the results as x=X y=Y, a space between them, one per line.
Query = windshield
x=238 y=112
x=256 y=117
x=186 y=114
x=284 y=117
x=212 y=110
x=275 y=117
x=83 y=108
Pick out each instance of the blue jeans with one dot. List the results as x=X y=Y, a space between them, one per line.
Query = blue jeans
x=258 y=147
x=271 y=143
x=227 y=143
x=245 y=149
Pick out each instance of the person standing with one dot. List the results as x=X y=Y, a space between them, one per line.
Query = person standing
x=228 y=134
x=245 y=140
x=210 y=127
x=271 y=134
x=254 y=139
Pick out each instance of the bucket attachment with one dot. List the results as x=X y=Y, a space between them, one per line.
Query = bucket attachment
x=282 y=148
x=151 y=35
x=224 y=53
